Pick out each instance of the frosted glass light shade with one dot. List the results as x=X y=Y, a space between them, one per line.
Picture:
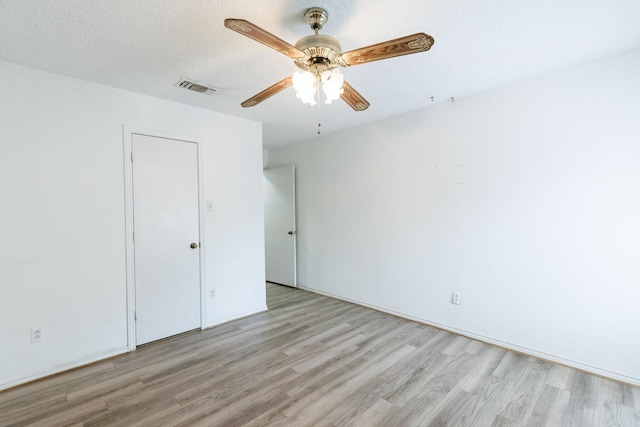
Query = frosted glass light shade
x=305 y=85
x=332 y=82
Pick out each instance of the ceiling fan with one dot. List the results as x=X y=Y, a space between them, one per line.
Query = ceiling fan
x=318 y=56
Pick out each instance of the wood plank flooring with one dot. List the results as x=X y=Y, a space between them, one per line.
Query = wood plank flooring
x=316 y=361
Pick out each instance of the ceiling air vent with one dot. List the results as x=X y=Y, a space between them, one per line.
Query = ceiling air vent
x=196 y=87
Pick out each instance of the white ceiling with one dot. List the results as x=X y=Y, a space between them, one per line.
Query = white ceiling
x=145 y=46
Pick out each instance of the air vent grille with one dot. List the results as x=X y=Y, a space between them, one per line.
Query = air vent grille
x=196 y=87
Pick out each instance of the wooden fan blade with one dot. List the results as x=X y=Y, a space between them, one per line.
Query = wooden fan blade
x=256 y=33
x=353 y=98
x=414 y=43
x=268 y=92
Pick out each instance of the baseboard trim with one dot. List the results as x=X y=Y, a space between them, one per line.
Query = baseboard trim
x=224 y=320
x=105 y=356
x=489 y=340
x=66 y=367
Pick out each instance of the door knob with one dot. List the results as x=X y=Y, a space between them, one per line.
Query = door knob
x=193 y=245
x=291 y=232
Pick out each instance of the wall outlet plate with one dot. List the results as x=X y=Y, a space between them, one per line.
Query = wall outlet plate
x=456 y=298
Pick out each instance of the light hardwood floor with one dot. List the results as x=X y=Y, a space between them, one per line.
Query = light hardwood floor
x=316 y=361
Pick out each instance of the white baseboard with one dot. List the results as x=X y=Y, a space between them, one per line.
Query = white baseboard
x=489 y=340
x=102 y=356
x=64 y=367
x=228 y=319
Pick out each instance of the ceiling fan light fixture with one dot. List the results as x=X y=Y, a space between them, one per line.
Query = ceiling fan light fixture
x=305 y=84
x=332 y=84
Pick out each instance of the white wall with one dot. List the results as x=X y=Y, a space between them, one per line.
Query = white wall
x=526 y=199
x=62 y=224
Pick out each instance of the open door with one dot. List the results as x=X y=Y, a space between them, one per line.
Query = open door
x=280 y=225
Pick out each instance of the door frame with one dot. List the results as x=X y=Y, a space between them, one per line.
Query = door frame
x=128 y=131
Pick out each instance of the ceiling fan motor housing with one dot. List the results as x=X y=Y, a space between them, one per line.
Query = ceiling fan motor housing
x=321 y=53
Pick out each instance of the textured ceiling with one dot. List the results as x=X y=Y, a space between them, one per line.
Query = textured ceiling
x=145 y=46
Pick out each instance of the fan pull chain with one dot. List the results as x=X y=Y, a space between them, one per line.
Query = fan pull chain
x=319 y=124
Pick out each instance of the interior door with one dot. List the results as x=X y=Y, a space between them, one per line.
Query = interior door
x=166 y=237
x=280 y=225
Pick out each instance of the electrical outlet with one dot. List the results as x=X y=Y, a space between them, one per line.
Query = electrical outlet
x=456 y=298
x=212 y=293
x=36 y=335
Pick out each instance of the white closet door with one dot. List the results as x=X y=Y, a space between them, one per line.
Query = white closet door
x=166 y=237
